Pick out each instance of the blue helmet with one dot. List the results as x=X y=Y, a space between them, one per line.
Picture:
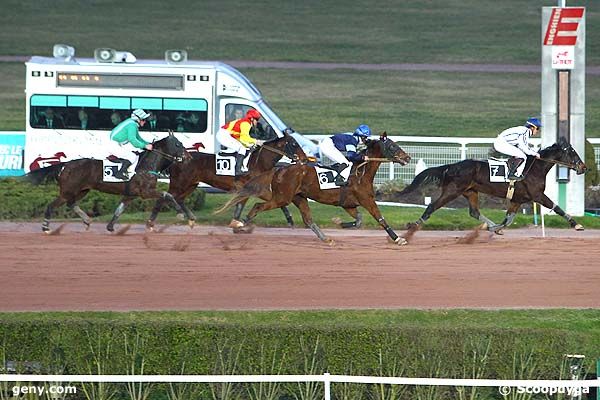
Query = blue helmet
x=363 y=131
x=533 y=122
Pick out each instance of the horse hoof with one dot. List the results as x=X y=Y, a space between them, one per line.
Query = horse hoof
x=191 y=223
x=236 y=224
x=180 y=216
x=579 y=227
x=499 y=232
x=336 y=220
x=400 y=241
x=412 y=225
x=110 y=228
x=150 y=225
x=330 y=242
x=484 y=227
x=87 y=225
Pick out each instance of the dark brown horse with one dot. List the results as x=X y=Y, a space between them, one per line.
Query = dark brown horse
x=201 y=168
x=470 y=177
x=298 y=182
x=77 y=177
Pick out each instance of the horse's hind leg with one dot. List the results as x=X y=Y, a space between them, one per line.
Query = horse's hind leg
x=288 y=216
x=120 y=208
x=448 y=194
x=72 y=204
x=302 y=204
x=354 y=213
x=59 y=201
x=473 y=197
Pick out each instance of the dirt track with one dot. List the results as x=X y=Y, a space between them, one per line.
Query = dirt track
x=210 y=268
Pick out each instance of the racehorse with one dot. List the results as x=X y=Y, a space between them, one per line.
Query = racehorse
x=471 y=177
x=298 y=182
x=77 y=177
x=184 y=177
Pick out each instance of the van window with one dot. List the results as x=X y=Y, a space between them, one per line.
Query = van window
x=105 y=112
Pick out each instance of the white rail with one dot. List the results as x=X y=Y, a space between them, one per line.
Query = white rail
x=326 y=378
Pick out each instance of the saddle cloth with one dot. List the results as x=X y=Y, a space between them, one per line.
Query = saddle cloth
x=110 y=166
x=498 y=170
x=225 y=164
x=327 y=176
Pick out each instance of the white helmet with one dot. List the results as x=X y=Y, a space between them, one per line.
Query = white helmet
x=139 y=115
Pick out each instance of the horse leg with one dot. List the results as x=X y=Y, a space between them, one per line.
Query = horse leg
x=120 y=208
x=157 y=206
x=72 y=204
x=546 y=202
x=260 y=207
x=368 y=202
x=441 y=201
x=288 y=216
x=354 y=213
x=473 y=197
x=236 y=222
x=302 y=204
x=59 y=201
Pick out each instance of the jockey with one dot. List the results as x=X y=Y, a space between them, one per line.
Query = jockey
x=332 y=147
x=235 y=135
x=125 y=138
x=515 y=142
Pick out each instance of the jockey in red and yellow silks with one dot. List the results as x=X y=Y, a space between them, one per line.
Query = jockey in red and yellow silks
x=235 y=135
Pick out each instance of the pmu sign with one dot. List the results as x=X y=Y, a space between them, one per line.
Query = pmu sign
x=562 y=27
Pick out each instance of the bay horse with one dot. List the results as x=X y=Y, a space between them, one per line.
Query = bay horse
x=471 y=177
x=77 y=177
x=298 y=182
x=184 y=177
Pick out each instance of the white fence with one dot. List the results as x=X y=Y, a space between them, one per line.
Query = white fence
x=436 y=151
x=548 y=387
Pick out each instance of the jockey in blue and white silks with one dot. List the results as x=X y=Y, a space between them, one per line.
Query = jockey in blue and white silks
x=515 y=142
x=335 y=146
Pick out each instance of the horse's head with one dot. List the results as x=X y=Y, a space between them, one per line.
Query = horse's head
x=387 y=148
x=288 y=145
x=563 y=152
x=171 y=147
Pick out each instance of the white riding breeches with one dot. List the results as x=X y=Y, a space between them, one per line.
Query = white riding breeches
x=225 y=139
x=328 y=149
x=123 y=151
x=508 y=149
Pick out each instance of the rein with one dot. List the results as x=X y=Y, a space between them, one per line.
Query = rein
x=167 y=156
x=281 y=153
x=564 y=164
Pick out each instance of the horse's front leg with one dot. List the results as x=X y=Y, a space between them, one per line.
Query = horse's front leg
x=236 y=223
x=371 y=206
x=354 y=213
x=546 y=202
x=169 y=197
x=152 y=218
x=288 y=216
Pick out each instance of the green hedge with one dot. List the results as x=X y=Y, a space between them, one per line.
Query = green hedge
x=171 y=347
x=22 y=200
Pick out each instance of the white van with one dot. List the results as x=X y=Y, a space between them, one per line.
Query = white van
x=73 y=103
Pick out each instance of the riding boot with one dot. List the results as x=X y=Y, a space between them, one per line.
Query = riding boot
x=339 y=179
x=239 y=163
x=513 y=165
x=122 y=172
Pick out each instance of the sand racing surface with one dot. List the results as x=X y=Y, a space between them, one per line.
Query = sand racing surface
x=210 y=268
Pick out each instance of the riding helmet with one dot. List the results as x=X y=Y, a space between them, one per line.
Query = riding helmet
x=139 y=114
x=363 y=131
x=253 y=114
x=534 y=122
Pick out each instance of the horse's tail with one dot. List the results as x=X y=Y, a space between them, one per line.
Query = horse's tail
x=433 y=175
x=259 y=186
x=44 y=175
